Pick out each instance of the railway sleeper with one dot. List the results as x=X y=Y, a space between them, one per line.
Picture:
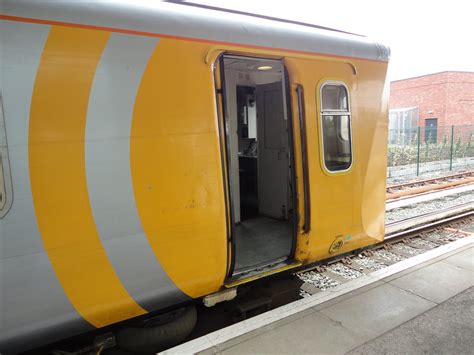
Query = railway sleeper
x=406 y=253
x=310 y=288
x=360 y=268
x=389 y=261
x=333 y=276
x=437 y=240
x=347 y=260
x=387 y=246
x=423 y=247
x=367 y=253
x=320 y=268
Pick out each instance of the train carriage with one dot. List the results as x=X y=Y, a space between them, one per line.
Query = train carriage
x=153 y=154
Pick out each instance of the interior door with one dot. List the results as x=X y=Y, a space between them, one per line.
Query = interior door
x=272 y=140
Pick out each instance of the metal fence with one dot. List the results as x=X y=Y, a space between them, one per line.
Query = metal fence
x=423 y=150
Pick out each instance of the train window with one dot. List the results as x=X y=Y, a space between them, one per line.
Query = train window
x=2 y=186
x=336 y=127
x=334 y=98
x=6 y=191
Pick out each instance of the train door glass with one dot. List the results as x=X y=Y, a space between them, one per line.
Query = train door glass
x=259 y=163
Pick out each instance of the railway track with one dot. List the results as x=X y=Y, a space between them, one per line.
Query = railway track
x=417 y=187
x=403 y=240
x=426 y=220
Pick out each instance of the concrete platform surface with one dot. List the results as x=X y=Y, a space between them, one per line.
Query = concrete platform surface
x=402 y=314
x=445 y=329
x=426 y=308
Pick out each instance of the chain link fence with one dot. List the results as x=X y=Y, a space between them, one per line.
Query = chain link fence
x=429 y=150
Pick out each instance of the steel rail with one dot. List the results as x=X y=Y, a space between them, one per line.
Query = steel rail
x=429 y=217
x=429 y=181
x=438 y=218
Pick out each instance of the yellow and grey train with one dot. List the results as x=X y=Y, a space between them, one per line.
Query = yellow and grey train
x=154 y=153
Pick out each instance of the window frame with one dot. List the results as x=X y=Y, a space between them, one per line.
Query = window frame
x=322 y=113
x=6 y=189
x=3 y=190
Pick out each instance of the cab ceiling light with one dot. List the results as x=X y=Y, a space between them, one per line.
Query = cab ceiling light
x=264 y=67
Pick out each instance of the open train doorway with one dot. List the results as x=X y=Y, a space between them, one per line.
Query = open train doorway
x=258 y=140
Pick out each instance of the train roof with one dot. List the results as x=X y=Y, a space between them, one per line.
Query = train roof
x=170 y=19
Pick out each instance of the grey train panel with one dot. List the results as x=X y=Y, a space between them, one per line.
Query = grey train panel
x=178 y=20
x=109 y=180
x=32 y=302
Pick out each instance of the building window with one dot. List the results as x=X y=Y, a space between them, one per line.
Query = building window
x=336 y=126
x=431 y=130
x=403 y=126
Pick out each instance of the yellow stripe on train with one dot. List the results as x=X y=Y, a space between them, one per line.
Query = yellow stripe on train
x=58 y=180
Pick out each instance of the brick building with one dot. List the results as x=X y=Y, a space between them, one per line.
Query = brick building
x=432 y=101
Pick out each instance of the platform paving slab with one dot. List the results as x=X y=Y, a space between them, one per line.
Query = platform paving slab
x=463 y=259
x=270 y=327
x=348 y=295
x=445 y=329
x=321 y=334
x=445 y=256
x=377 y=310
x=354 y=318
x=436 y=282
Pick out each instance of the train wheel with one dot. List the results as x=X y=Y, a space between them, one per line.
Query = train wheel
x=158 y=333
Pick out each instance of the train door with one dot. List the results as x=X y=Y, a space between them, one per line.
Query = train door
x=272 y=151
x=259 y=164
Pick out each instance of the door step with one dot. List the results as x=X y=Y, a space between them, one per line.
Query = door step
x=260 y=273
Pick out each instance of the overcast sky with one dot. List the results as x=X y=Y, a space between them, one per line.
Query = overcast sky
x=424 y=36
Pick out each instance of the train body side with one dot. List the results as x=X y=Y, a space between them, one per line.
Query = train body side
x=118 y=205
x=117 y=188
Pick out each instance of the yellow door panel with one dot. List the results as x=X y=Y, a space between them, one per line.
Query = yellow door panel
x=348 y=206
x=176 y=167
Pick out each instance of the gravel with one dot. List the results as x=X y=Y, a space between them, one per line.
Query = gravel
x=407 y=249
x=320 y=281
x=344 y=271
x=369 y=263
x=304 y=294
x=388 y=256
x=446 y=238
x=417 y=209
x=468 y=228
x=424 y=243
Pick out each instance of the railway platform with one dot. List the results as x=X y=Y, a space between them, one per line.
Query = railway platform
x=423 y=304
